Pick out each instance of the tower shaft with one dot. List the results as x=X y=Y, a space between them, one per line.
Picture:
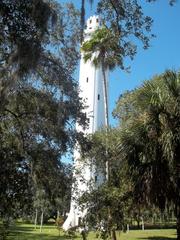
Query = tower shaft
x=92 y=92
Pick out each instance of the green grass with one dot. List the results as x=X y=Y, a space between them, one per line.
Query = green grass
x=27 y=232
x=158 y=234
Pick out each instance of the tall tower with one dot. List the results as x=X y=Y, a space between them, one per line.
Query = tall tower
x=92 y=91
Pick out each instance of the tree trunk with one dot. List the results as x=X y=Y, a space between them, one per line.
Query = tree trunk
x=8 y=83
x=83 y=233
x=138 y=217
x=35 y=220
x=106 y=113
x=178 y=208
x=42 y=215
x=58 y=214
x=178 y=223
x=127 y=228
x=114 y=234
x=138 y=223
x=105 y=96
x=142 y=221
x=177 y=179
x=82 y=18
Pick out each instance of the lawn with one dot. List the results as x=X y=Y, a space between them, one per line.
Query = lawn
x=27 y=232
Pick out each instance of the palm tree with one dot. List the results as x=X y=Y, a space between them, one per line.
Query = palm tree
x=150 y=142
x=104 y=51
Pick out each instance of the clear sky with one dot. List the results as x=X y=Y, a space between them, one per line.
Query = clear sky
x=164 y=52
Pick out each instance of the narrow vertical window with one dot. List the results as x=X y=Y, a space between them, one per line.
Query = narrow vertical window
x=98 y=96
x=95 y=178
x=97 y=20
x=87 y=79
x=79 y=221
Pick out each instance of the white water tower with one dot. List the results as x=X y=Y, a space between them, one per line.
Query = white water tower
x=92 y=91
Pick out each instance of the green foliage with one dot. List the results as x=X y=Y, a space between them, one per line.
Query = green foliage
x=171 y=2
x=126 y=23
x=23 y=30
x=59 y=223
x=127 y=20
x=149 y=141
x=98 y=202
x=39 y=104
x=4 y=229
x=151 y=134
x=103 y=48
x=107 y=205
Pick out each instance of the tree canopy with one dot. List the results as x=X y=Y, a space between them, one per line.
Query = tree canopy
x=39 y=99
x=149 y=140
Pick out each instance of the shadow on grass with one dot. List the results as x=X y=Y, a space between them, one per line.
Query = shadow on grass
x=155 y=226
x=161 y=238
x=31 y=236
x=158 y=238
x=19 y=228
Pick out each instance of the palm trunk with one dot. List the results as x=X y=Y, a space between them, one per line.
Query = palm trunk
x=113 y=232
x=106 y=113
x=82 y=18
x=105 y=96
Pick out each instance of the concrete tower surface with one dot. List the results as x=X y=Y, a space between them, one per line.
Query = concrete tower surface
x=92 y=91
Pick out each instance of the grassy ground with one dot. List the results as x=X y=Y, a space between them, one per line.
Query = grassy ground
x=27 y=232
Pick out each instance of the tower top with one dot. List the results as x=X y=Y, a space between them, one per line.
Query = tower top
x=93 y=23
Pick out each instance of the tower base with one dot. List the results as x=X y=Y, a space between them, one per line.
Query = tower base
x=71 y=221
x=74 y=219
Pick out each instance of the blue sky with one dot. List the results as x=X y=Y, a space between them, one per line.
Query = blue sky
x=164 y=52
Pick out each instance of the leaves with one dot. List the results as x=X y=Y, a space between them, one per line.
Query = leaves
x=39 y=103
x=147 y=139
x=103 y=48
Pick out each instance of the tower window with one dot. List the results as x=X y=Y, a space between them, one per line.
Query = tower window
x=87 y=79
x=95 y=178
x=90 y=21
x=97 y=20
x=98 y=96
x=79 y=221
